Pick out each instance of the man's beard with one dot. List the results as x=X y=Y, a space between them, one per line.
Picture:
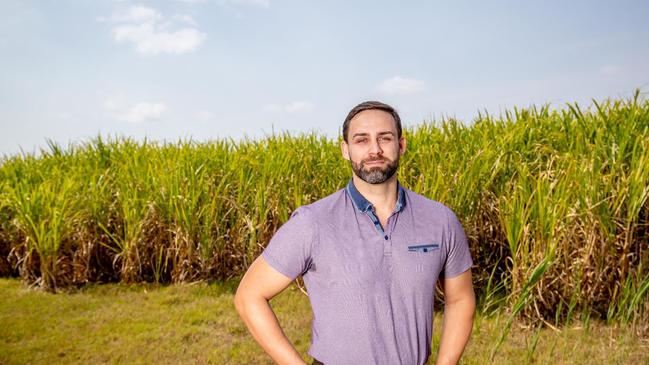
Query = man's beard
x=376 y=174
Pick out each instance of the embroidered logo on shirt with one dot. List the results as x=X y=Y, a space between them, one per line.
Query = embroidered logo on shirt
x=424 y=248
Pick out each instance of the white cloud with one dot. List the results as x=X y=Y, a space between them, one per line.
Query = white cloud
x=292 y=107
x=401 y=86
x=193 y=1
x=139 y=14
x=136 y=14
x=144 y=111
x=147 y=29
x=186 y=19
x=148 y=40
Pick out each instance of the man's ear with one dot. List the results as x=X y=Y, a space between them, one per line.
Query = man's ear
x=402 y=145
x=344 y=148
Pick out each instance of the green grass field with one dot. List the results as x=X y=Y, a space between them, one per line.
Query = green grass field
x=197 y=324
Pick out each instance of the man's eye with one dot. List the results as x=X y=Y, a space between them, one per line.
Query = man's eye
x=385 y=139
x=361 y=140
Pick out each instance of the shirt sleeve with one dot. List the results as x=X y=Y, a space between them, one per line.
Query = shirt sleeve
x=290 y=249
x=458 y=259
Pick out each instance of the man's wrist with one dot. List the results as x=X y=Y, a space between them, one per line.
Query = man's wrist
x=443 y=360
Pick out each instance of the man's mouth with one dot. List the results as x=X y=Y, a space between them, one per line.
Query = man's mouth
x=374 y=162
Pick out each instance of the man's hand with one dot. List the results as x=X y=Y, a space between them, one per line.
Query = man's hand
x=260 y=284
x=459 y=309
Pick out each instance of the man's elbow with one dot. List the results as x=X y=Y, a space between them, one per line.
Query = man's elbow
x=240 y=301
x=245 y=299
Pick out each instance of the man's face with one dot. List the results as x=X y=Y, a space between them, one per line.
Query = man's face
x=373 y=148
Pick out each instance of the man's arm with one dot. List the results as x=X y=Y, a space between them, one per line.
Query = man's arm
x=260 y=284
x=459 y=309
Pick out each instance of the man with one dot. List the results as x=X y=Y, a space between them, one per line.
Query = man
x=370 y=255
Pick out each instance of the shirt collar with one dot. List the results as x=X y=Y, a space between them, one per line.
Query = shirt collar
x=364 y=205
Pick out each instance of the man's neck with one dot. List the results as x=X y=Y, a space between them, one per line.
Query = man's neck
x=382 y=196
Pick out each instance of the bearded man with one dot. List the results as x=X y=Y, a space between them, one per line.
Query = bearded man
x=370 y=256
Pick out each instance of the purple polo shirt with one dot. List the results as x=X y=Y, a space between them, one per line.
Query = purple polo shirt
x=371 y=288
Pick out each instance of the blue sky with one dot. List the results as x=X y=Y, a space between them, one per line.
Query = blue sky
x=205 y=69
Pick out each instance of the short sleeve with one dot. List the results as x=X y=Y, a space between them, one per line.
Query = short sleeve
x=458 y=259
x=290 y=249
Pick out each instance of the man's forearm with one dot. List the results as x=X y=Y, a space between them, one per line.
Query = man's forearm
x=264 y=327
x=456 y=330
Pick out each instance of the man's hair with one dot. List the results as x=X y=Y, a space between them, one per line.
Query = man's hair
x=371 y=105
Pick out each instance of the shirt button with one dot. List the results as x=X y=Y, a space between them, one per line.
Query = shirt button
x=386 y=237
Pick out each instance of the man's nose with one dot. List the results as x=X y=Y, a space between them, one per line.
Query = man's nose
x=375 y=148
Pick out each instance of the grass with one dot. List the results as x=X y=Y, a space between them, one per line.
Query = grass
x=196 y=323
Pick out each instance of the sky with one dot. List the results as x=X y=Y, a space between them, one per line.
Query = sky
x=206 y=69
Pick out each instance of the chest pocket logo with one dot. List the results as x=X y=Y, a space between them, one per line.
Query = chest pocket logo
x=424 y=248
